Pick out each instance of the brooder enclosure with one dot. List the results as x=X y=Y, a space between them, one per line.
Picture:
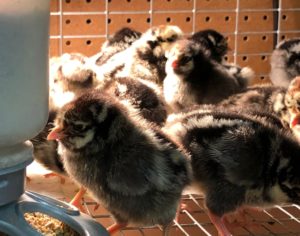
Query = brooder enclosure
x=252 y=29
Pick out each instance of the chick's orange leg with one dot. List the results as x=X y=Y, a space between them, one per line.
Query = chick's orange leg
x=219 y=224
x=114 y=228
x=76 y=201
x=241 y=220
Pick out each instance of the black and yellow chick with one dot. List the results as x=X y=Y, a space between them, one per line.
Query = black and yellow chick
x=127 y=164
x=193 y=78
x=120 y=41
x=285 y=62
x=215 y=44
x=239 y=161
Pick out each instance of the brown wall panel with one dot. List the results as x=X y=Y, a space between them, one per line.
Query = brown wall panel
x=84 y=24
x=284 y=36
x=54 y=23
x=256 y=4
x=128 y=5
x=54 y=47
x=224 y=22
x=259 y=63
x=140 y=22
x=255 y=43
x=172 y=4
x=215 y=4
x=290 y=4
x=255 y=21
x=54 y=5
x=85 y=46
x=290 y=20
x=83 y=5
x=182 y=20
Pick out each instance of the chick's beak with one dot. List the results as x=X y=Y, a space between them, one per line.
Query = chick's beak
x=295 y=121
x=174 y=64
x=56 y=134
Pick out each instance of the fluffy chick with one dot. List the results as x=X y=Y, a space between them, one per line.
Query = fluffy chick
x=45 y=151
x=120 y=41
x=126 y=163
x=215 y=43
x=69 y=76
x=263 y=98
x=193 y=78
x=239 y=161
x=145 y=59
x=285 y=62
x=292 y=103
x=143 y=95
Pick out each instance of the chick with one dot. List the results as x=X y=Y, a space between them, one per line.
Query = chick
x=263 y=98
x=143 y=95
x=145 y=59
x=239 y=161
x=44 y=151
x=193 y=78
x=215 y=43
x=69 y=76
x=130 y=166
x=292 y=103
x=120 y=41
x=285 y=62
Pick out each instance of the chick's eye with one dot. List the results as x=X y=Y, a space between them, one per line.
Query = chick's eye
x=185 y=59
x=78 y=127
x=171 y=39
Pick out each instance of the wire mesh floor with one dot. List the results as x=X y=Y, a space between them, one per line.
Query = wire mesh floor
x=279 y=221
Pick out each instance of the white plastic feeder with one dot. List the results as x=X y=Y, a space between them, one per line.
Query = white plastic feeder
x=24 y=27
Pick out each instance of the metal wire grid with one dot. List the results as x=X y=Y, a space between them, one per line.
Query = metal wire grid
x=194 y=221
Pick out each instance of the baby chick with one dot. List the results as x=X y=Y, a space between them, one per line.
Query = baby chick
x=69 y=76
x=143 y=95
x=44 y=151
x=285 y=62
x=131 y=167
x=120 y=41
x=215 y=43
x=263 y=98
x=193 y=78
x=292 y=102
x=239 y=161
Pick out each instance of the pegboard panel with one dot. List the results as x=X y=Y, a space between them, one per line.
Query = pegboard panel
x=83 y=5
x=290 y=4
x=54 y=22
x=182 y=20
x=128 y=5
x=290 y=20
x=249 y=21
x=253 y=27
x=215 y=4
x=140 y=22
x=256 y=4
x=82 y=45
x=83 y=24
x=223 y=22
x=255 y=43
x=179 y=5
